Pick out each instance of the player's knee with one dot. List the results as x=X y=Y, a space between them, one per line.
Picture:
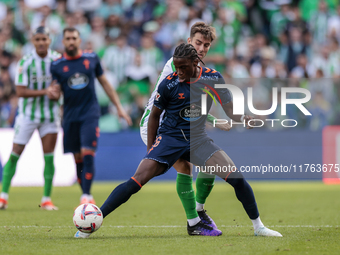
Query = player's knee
x=235 y=178
x=18 y=148
x=183 y=167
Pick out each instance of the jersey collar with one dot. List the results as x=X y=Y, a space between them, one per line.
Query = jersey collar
x=35 y=54
x=80 y=53
x=199 y=76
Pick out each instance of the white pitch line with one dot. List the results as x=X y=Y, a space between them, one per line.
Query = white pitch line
x=177 y=226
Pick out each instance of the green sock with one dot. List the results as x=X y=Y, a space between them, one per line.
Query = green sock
x=186 y=194
x=204 y=185
x=48 y=174
x=9 y=171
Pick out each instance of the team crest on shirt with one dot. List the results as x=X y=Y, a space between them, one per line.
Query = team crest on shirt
x=157 y=96
x=78 y=81
x=191 y=112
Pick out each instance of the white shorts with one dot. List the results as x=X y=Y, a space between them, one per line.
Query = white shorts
x=144 y=134
x=24 y=128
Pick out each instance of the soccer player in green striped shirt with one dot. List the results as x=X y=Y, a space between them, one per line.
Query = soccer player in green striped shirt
x=38 y=109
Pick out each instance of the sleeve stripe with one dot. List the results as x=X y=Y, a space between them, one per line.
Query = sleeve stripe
x=20 y=78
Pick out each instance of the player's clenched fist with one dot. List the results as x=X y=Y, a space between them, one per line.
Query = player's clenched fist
x=53 y=91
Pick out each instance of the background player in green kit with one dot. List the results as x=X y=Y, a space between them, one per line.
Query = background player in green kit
x=38 y=109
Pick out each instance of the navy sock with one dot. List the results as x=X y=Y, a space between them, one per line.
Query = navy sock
x=119 y=196
x=87 y=174
x=244 y=194
x=79 y=166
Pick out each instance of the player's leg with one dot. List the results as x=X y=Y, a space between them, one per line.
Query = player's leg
x=79 y=167
x=89 y=133
x=185 y=190
x=243 y=190
x=48 y=133
x=23 y=132
x=146 y=170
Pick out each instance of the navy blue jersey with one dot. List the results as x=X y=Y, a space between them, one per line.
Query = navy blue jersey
x=182 y=102
x=76 y=77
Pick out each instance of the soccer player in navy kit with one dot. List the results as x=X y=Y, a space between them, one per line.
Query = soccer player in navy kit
x=75 y=72
x=182 y=135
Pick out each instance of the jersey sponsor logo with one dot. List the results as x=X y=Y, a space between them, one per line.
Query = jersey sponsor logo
x=86 y=63
x=44 y=78
x=157 y=96
x=191 y=112
x=181 y=96
x=78 y=81
x=66 y=69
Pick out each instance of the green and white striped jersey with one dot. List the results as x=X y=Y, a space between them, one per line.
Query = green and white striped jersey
x=34 y=73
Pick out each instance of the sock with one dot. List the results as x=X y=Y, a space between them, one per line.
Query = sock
x=204 y=185
x=48 y=174
x=45 y=199
x=120 y=195
x=244 y=194
x=186 y=194
x=193 y=222
x=9 y=171
x=257 y=223
x=87 y=174
x=79 y=166
x=4 y=195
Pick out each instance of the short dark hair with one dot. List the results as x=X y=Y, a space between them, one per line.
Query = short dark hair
x=70 y=29
x=41 y=30
x=186 y=51
x=206 y=30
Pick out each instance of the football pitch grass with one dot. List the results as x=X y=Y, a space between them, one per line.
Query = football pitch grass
x=153 y=222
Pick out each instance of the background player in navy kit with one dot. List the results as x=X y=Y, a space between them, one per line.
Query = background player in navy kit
x=75 y=73
x=180 y=137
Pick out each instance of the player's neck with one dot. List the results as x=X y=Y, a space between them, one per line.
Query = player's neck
x=197 y=72
x=42 y=55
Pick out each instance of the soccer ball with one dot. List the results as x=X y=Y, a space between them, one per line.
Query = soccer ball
x=88 y=218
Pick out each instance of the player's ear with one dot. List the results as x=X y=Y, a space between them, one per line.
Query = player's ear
x=195 y=62
x=189 y=40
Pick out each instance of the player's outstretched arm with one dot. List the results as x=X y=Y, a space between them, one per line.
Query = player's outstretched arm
x=23 y=91
x=228 y=109
x=153 y=125
x=112 y=94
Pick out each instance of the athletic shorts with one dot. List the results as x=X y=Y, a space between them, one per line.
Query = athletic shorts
x=24 y=128
x=168 y=149
x=144 y=134
x=80 y=134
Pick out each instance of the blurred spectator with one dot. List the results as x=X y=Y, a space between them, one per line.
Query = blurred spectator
x=333 y=26
x=113 y=27
x=134 y=94
x=98 y=33
x=87 y=6
x=280 y=19
x=323 y=61
x=264 y=67
x=110 y=7
x=119 y=56
x=318 y=23
x=303 y=69
x=150 y=54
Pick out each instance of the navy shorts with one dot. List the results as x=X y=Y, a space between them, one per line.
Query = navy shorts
x=80 y=134
x=168 y=149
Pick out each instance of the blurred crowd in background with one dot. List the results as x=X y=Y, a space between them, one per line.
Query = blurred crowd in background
x=278 y=42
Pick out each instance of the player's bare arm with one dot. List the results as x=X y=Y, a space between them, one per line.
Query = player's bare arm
x=112 y=94
x=228 y=109
x=23 y=91
x=153 y=125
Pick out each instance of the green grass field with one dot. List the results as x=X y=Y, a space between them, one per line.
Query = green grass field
x=153 y=222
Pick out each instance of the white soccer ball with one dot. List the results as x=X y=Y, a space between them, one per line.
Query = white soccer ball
x=88 y=218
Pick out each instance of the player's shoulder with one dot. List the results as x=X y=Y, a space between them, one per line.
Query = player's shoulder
x=89 y=54
x=26 y=58
x=170 y=81
x=210 y=74
x=55 y=55
x=57 y=61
